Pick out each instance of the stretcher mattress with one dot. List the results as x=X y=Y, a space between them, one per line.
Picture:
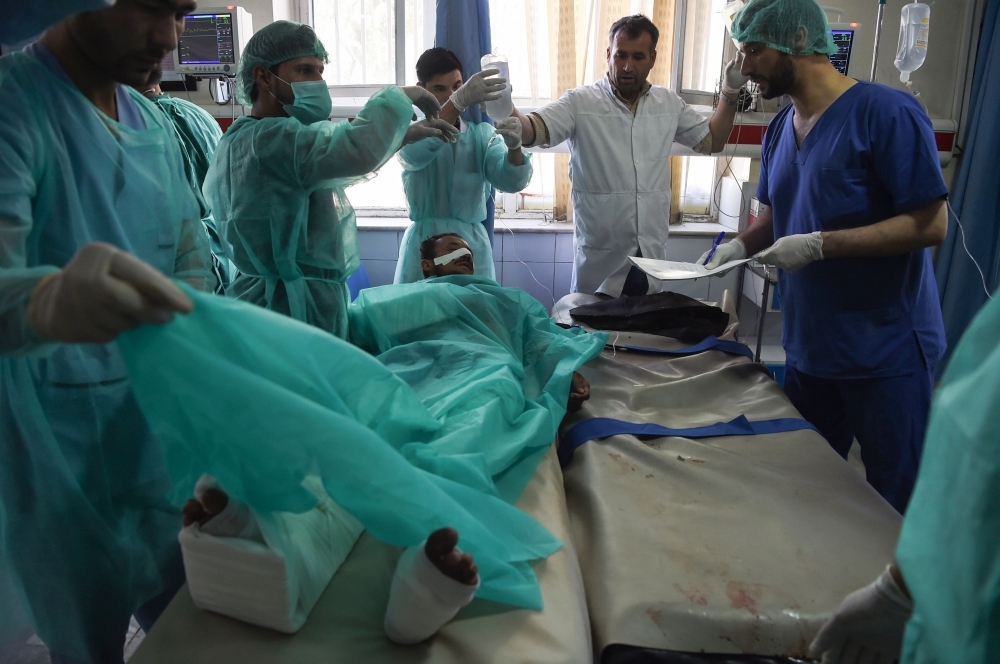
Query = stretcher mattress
x=738 y=544
x=346 y=624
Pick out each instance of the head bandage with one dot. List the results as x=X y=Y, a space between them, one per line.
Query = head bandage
x=452 y=257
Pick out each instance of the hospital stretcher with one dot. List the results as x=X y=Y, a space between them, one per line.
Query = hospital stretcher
x=730 y=544
x=345 y=626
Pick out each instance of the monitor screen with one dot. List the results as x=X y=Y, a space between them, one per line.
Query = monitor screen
x=842 y=58
x=207 y=40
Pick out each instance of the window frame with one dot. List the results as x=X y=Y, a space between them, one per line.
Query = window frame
x=690 y=96
x=306 y=14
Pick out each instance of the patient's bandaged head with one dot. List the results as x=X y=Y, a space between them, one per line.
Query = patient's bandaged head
x=452 y=257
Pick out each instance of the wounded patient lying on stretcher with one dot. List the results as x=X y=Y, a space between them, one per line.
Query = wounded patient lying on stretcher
x=496 y=373
x=445 y=255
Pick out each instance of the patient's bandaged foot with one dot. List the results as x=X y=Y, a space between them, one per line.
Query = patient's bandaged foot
x=220 y=515
x=266 y=568
x=433 y=581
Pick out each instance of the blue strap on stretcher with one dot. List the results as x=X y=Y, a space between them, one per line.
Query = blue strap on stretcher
x=603 y=427
x=708 y=343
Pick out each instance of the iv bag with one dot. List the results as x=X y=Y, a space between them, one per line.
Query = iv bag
x=914 y=23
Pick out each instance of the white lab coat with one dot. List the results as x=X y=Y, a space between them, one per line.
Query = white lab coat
x=620 y=169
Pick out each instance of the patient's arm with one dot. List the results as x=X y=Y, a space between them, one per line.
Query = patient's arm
x=579 y=391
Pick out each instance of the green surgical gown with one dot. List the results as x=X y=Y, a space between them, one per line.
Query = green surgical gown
x=198 y=134
x=276 y=188
x=86 y=527
x=446 y=189
x=949 y=547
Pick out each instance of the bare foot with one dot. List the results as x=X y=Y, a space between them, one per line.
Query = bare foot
x=213 y=501
x=579 y=391
x=440 y=549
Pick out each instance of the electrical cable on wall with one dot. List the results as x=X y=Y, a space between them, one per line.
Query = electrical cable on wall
x=514 y=249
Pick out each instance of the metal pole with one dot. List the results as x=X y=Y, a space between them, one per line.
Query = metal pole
x=878 y=37
x=763 y=313
x=400 y=36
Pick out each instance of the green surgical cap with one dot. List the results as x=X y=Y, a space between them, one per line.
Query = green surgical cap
x=272 y=45
x=796 y=27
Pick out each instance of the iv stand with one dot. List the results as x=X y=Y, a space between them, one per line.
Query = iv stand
x=878 y=37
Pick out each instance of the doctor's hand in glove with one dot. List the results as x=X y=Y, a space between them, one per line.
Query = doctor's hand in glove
x=479 y=89
x=510 y=130
x=733 y=250
x=867 y=627
x=430 y=128
x=793 y=252
x=102 y=292
x=422 y=99
x=733 y=80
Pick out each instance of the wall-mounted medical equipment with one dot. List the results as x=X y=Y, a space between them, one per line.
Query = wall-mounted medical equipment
x=914 y=24
x=843 y=37
x=213 y=41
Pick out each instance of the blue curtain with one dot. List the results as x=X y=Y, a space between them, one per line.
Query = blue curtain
x=975 y=195
x=463 y=27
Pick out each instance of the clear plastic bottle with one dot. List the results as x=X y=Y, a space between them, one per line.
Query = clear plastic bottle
x=914 y=23
x=503 y=107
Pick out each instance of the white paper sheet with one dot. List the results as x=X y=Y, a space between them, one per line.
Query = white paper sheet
x=676 y=271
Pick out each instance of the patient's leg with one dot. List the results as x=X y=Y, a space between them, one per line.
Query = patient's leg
x=579 y=391
x=432 y=582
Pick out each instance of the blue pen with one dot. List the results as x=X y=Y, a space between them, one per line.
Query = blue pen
x=715 y=245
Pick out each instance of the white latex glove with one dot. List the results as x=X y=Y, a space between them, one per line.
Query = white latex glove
x=430 y=128
x=734 y=250
x=510 y=130
x=867 y=627
x=732 y=79
x=478 y=89
x=793 y=252
x=422 y=99
x=101 y=293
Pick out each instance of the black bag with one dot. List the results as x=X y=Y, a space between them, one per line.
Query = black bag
x=665 y=314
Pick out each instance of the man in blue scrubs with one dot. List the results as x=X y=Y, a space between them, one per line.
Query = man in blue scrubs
x=854 y=197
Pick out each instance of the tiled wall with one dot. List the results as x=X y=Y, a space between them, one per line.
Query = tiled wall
x=539 y=263
x=545 y=272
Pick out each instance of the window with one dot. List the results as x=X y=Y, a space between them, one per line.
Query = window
x=520 y=31
x=372 y=42
x=702 y=46
x=384 y=191
x=377 y=42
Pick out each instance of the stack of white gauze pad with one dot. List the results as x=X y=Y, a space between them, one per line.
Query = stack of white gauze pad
x=276 y=585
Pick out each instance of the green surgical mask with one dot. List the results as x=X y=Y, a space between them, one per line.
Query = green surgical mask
x=312 y=101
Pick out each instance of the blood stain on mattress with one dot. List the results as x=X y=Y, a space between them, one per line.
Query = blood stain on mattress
x=691 y=594
x=740 y=596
